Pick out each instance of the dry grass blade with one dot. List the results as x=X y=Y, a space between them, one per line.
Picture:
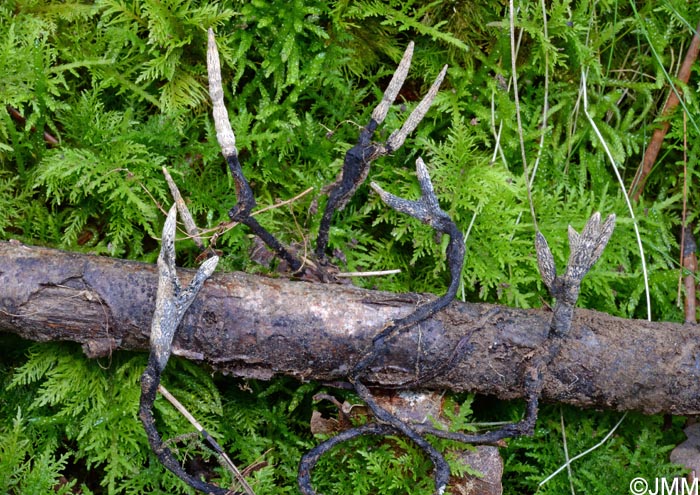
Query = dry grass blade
x=585 y=453
x=608 y=153
x=518 y=117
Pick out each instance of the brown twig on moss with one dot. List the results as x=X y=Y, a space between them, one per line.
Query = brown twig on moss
x=657 y=139
x=690 y=266
x=49 y=138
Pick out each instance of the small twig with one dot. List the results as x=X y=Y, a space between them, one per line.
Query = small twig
x=690 y=264
x=49 y=138
x=657 y=138
x=184 y=212
x=566 y=450
x=378 y=273
x=689 y=260
x=224 y=227
x=283 y=203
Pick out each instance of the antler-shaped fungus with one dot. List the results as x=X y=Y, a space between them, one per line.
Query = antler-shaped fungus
x=427 y=210
x=172 y=301
x=585 y=249
x=358 y=159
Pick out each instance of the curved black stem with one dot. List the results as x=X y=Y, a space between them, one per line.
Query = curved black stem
x=426 y=209
x=149 y=387
x=241 y=213
x=311 y=458
x=172 y=301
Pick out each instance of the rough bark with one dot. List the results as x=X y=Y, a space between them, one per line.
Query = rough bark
x=258 y=327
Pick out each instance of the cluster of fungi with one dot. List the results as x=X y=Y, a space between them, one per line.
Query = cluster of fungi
x=173 y=299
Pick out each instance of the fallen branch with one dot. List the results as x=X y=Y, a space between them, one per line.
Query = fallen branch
x=257 y=327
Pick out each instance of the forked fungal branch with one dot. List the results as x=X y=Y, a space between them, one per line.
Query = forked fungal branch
x=172 y=301
x=427 y=210
x=585 y=249
x=359 y=158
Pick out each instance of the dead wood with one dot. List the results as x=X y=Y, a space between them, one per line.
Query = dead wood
x=257 y=327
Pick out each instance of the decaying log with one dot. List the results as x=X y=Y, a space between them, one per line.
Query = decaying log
x=257 y=327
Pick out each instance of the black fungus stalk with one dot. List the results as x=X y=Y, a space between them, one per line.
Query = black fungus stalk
x=172 y=301
x=245 y=201
x=358 y=159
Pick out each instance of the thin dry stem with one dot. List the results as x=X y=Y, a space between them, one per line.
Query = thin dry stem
x=190 y=226
x=566 y=451
x=189 y=417
x=517 y=111
x=377 y=273
x=608 y=153
x=585 y=453
x=545 y=106
x=283 y=203
x=224 y=227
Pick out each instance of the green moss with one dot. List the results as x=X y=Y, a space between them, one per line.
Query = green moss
x=122 y=85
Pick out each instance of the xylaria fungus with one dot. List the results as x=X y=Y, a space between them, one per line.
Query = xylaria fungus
x=173 y=300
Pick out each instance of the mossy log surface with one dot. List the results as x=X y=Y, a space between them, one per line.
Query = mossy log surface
x=258 y=327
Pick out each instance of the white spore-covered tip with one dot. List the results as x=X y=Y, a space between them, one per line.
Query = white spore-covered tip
x=224 y=132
